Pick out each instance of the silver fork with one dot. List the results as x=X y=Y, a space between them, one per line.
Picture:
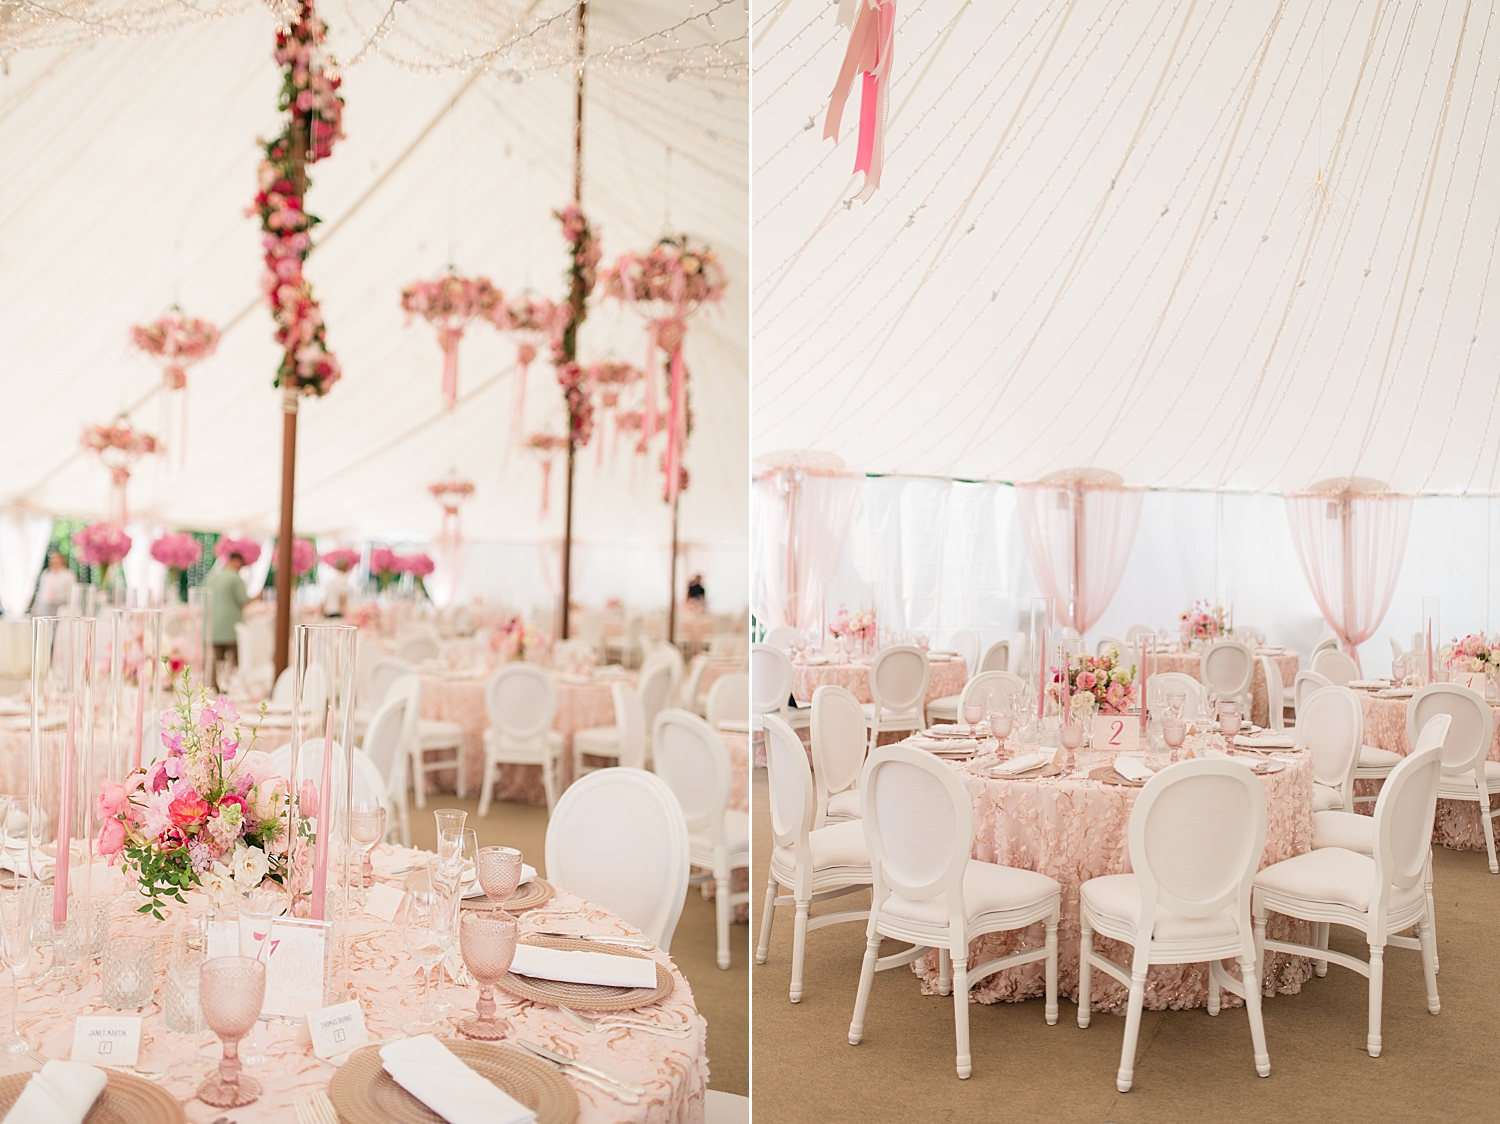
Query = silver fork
x=315 y=1108
x=625 y=1022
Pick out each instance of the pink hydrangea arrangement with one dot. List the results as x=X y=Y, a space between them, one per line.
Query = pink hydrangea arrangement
x=342 y=558
x=1204 y=621
x=419 y=565
x=102 y=545
x=248 y=549
x=858 y=626
x=210 y=814
x=1108 y=686
x=304 y=556
x=387 y=565
x=177 y=551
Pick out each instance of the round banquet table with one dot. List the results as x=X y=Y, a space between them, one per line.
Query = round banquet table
x=948 y=678
x=1072 y=828
x=459 y=697
x=674 y=1071
x=1191 y=663
x=1457 y=825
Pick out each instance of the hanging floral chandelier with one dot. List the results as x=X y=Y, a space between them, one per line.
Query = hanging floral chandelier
x=449 y=304
x=534 y=323
x=180 y=341
x=118 y=446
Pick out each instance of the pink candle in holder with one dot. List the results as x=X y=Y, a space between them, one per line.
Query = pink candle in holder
x=64 y=826
x=325 y=806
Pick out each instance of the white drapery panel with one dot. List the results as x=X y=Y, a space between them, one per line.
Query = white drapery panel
x=799 y=524
x=23 y=553
x=1351 y=547
x=1078 y=541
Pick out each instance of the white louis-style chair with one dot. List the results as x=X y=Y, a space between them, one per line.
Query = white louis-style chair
x=1335 y=666
x=996 y=657
x=965 y=641
x=690 y=756
x=625 y=741
x=1019 y=655
x=838 y=754
x=1276 y=701
x=898 y=685
x=1468 y=774
x=1378 y=894
x=1331 y=723
x=1228 y=667
x=1326 y=644
x=815 y=864
x=771 y=688
x=728 y=704
x=919 y=830
x=521 y=702
x=1305 y=684
x=618 y=838
x=781 y=637
x=418 y=648
x=386 y=737
x=975 y=690
x=1165 y=683
x=1197 y=832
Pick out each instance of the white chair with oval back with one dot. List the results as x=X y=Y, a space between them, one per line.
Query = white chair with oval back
x=418 y=648
x=521 y=703
x=1138 y=630
x=1323 y=645
x=965 y=641
x=1305 y=684
x=1228 y=667
x=838 y=753
x=690 y=756
x=975 y=690
x=1197 y=832
x=996 y=657
x=771 y=688
x=1331 y=723
x=624 y=742
x=898 y=685
x=1468 y=774
x=385 y=741
x=815 y=864
x=781 y=637
x=618 y=839
x=1018 y=655
x=1378 y=894
x=1275 y=693
x=384 y=672
x=1165 y=683
x=728 y=706
x=692 y=682
x=1336 y=666
x=918 y=823
x=658 y=683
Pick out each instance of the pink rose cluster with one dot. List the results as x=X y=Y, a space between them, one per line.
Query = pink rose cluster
x=385 y=561
x=177 y=551
x=860 y=625
x=342 y=558
x=120 y=437
x=452 y=300
x=1474 y=652
x=181 y=340
x=248 y=549
x=102 y=544
x=1111 y=686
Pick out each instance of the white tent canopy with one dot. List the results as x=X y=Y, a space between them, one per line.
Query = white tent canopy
x=132 y=161
x=1205 y=245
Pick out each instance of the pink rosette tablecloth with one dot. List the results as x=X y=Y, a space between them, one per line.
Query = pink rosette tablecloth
x=1191 y=663
x=674 y=1071
x=456 y=698
x=15 y=752
x=948 y=678
x=1457 y=825
x=1072 y=829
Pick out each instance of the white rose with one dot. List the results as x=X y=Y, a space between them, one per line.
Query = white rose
x=250 y=866
x=218 y=882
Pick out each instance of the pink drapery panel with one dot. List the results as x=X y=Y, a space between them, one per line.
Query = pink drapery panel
x=1078 y=540
x=1351 y=546
x=800 y=521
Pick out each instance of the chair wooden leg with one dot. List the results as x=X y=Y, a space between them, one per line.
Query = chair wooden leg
x=1320 y=938
x=945 y=972
x=799 y=948
x=486 y=788
x=721 y=917
x=961 y=1011
x=1051 y=1008
x=1126 y=1075
x=420 y=776
x=866 y=980
x=767 y=916
x=1213 y=990
x=1431 y=909
x=1429 y=964
x=1489 y=830
x=1085 y=974
x=1251 y=977
x=1377 y=988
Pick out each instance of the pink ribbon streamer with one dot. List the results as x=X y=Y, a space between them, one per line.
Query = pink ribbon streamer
x=676 y=424
x=525 y=353
x=871 y=44
x=448 y=338
x=546 y=484
x=649 y=419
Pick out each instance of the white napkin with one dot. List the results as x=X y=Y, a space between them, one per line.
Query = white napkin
x=1132 y=768
x=1024 y=764
x=943 y=745
x=60 y=1093
x=568 y=966
x=1247 y=762
x=1368 y=684
x=815 y=661
x=474 y=890
x=429 y=1071
x=942 y=652
x=1265 y=741
x=943 y=728
x=1396 y=693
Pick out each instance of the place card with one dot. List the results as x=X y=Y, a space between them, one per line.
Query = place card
x=384 y=901
x=296 y=956
x=338 y=1029
x=1117 y=733
x=107 y=1039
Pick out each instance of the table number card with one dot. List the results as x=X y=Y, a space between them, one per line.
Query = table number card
x=107 y=1039
x=1117 y=733
x=296 y=955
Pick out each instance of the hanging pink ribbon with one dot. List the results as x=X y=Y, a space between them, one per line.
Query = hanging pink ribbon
x=871 y=44
x=649 y=421
x=448 y=339
x=676 y=424
x=546 y=484
x=525 y=353
x=119 y=477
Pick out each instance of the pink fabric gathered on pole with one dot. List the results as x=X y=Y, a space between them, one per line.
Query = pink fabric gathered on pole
x=802 y=521
x=1351 y=546
x=1078 y=540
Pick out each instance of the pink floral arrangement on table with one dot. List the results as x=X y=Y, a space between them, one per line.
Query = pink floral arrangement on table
x=304 y=556
x=180 y=340
x=211 y=814
x=1474 y=652
x=514 y=639
x=366 y=614
x=1109 y=686
x=314 y=115
x=858 y=626
x=177 y=551
x=248 y=549
x=102 y=545
x=1204 y=621
x=342 y=558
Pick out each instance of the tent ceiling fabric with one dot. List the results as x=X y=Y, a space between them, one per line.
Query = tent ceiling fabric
x=139 y=162
x=1199 y=243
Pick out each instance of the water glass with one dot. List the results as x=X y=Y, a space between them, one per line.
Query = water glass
x=1174 y=732
x=425 y=922
x=179 y=1003
x=487 y=940
x=231 y=990
x=367 y=829
x=450 y=821
x=129 y=972
x=499 y=870
x=1229 y=718
x=972 y=712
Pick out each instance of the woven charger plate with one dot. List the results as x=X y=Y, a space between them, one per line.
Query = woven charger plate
x=1040 y=772
x=588 y=997
x=529 y=896
x=364 y=1093
x=1107 y=774
x=126 y=1099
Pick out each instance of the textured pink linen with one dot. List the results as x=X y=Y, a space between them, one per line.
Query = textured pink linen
x=1078 y=540
x=1457 y=825
x=1351 y=546
x=1191 y=663
x=1073 y=829
x=713 y=671
x=738 y=746
x=948 y=678
x=579 y=707
x=15 y=752
x=674 y=1071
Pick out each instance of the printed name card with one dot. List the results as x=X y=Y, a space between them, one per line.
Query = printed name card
x=384 y=901
x=1117 y=733
x=107 y=1039
x=337 y=1030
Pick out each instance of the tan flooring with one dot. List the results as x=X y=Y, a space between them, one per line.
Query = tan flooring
x=1190 y=1068
x=722 y=997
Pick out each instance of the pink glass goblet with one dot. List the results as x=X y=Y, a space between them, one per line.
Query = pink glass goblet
x=1229 y=719
x=230 y=991
x=499 y=871
x=487 y=941
x=972 y=713
x=1174 y=733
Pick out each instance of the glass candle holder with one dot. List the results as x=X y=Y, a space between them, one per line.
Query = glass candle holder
x=129 y=972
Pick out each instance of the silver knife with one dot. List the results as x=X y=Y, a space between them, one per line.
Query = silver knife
x=577 y=1074
x=563 y=1059
x=601 y=938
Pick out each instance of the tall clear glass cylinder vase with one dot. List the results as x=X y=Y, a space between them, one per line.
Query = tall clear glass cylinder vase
x=195 y=635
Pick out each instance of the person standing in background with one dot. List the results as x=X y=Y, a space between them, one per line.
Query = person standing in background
x=336 y=591
x=55 y=591
x=697 y=596
x=229 y=595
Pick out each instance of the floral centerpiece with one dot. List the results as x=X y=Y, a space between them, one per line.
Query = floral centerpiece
x=304 y=556
x=1101 y=683
x=101 y=545
x=1204 y=621
x=247 y=549
x=857 y=627
x=210 y=815
x=177 y=552
x=342 y=558
x=514 y=639
x=1474 y=652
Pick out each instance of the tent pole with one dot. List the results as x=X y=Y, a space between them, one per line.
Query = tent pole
x=291 y=393
x=672 y=600
x=575 y=298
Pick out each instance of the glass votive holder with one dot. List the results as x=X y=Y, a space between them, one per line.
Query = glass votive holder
x=129 y=972
x=96 y=915
x=179 y=1002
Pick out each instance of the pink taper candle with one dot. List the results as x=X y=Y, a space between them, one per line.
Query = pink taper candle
x=1041 y=683
x=1429 y=651
x=325 y=806
x=1140 y=678
x=1067 y=691
x=140 y=719
x=64 y=827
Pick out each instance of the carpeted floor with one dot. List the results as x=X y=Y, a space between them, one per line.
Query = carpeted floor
x=1190 y=1068
x=722 y=997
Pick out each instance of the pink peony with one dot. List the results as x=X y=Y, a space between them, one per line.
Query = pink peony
x=102 y=544
x=1086 y=681
x=188 y=809
x=112 y=799
x=419 y=564
x=111 y=838
x=308 y=798
x=342 y=558
x=383 y=560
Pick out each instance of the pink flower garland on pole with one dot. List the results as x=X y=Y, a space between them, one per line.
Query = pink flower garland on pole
x=118 y=445
x=449 y=304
